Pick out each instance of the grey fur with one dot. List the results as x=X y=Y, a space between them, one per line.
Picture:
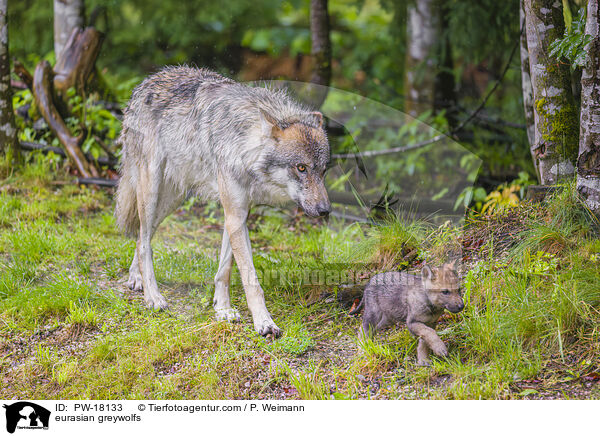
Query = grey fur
x=419 y=301
x=190 y=131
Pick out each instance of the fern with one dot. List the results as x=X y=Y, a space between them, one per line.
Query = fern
x=572 y=45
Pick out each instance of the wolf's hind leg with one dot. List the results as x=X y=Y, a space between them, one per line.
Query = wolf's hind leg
x=221 y=299
x=135 y=276
x=168 y=201
x=155 y=201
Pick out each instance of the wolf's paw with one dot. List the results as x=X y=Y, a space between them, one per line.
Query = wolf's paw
x=267 y=327
x=156 y=301
x=231 y=314
x=439 y=349
x=423 y=362
x=135 y=282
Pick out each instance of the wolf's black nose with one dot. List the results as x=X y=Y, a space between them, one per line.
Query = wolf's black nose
x=323 y=210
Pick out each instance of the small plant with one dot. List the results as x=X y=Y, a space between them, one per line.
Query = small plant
x=309 y=384
x=507 y=196
x=45 y=358
x=82 y=314
x=296 y=340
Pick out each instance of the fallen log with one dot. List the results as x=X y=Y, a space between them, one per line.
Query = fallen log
x=43 y=94
x=110 y=162
x=97 y=181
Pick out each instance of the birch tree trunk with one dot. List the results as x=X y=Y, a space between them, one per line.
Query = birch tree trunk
x=423 y=31
x=8 y=131
x=556 y=139
x=527 y=88
x=588 y=163
x=429 y=81
x=68 y=14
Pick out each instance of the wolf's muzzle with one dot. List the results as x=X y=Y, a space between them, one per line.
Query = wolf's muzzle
x=323 y=209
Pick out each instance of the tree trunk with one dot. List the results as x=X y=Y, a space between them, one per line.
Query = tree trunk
x=68 y=15
x=588 y=163
x=444 y=95
x=527 y=89
x=77 y=61
x=429 y=81
x=321 y=48
x=423 y=30
x=8 y=131
x=556 y=121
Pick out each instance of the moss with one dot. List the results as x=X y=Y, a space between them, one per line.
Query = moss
x=565 y=128
x=561 y=127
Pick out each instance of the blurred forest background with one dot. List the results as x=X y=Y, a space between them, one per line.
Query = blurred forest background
x=435 y=61
x=461 y=68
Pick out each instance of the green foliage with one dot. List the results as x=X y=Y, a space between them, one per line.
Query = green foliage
x=572 y=46
x=87 y=116
x=142 y=34
x=567 y=223
x=506 y=196
x=296 y=341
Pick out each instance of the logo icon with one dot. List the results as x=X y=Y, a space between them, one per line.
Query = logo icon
x=26 y=415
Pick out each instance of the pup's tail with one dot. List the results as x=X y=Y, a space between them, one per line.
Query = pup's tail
x=357 y=308
x=126 y=211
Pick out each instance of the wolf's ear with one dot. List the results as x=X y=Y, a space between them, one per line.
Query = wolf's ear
x=269 y=125
x=454 y=264
x=318 y=117
x=427 y=273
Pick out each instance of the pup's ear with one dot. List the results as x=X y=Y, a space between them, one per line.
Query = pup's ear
x=427 y=273
x=269 y=125
x=454 y=264
x=318 y=117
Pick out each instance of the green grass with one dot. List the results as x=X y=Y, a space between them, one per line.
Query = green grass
x=69 y=328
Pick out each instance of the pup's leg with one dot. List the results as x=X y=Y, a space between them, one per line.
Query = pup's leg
x=235 y=204
x=430 y=337
x=221 y=300
x=423 y=353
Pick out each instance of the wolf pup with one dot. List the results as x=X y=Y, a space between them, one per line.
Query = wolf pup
x=189 y=131
x=393 y=297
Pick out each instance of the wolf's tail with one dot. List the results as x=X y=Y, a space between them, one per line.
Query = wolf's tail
x=126 y=211
x=357 y=308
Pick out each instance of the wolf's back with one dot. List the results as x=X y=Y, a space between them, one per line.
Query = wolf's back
x=186 y=117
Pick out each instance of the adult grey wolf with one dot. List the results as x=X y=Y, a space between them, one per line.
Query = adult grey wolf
x=190 y=131
x=392 y=297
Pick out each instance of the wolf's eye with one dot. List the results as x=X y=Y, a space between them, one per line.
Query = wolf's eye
x=446 y=292
x=301 y=168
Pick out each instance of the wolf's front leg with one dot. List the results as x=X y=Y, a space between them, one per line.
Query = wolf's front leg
x=221 y=300
x=242 y=251
x=235 y=205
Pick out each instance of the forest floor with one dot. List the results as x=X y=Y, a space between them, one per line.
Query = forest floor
x=71 y=329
